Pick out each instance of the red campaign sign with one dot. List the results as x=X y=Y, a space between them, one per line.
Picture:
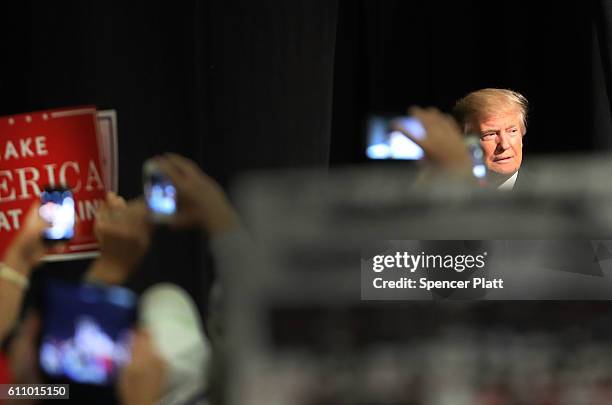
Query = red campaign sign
x=51 y=148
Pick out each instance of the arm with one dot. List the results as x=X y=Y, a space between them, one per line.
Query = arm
x=124 y=234
x=22 y=256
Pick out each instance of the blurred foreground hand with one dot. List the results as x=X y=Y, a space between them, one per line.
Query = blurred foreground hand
x=124 y=235
x=443 y=143
x=28 y=247
x=201 y=201
x=23 y=254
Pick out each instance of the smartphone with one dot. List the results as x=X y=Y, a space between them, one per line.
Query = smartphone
x=57 y=208
x=159 y=191
x=385 y=142
x=85 y=332
x=479 y=168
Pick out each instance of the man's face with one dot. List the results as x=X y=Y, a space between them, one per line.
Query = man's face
x=501 y=138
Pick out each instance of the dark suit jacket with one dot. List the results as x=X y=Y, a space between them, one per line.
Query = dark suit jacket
x=523 y=180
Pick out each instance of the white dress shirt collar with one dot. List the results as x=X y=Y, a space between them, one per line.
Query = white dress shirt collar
x=508 y=185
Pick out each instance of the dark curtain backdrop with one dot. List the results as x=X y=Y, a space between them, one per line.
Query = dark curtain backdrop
x=243 y=84
x=392 y=54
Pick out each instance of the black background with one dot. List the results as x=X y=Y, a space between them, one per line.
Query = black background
x=392 y=54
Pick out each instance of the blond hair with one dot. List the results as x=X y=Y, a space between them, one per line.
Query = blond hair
x=484 y=103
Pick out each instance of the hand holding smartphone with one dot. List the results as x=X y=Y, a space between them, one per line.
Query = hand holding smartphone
x=426 y=132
